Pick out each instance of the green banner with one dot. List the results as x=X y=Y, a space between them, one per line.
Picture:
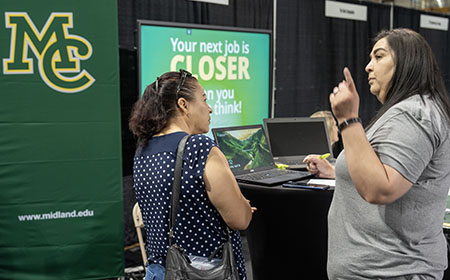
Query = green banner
x=61 y=213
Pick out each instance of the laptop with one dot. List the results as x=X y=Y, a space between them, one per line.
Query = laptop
x=292 y=139
x=249 y=156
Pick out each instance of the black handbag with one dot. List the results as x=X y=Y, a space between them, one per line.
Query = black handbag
x=178 y=264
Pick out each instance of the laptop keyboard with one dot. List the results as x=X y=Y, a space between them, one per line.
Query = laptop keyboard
x=292 y=162
x=267 y=174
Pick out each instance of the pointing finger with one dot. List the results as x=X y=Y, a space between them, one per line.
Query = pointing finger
x=348 y=77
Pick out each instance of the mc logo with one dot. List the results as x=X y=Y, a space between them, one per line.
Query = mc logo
x=58 y=52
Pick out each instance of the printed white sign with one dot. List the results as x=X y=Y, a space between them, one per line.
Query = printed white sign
x=221 y=2
x=345 y=11
x=432 y=22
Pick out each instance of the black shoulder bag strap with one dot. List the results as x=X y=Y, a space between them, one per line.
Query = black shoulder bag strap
x=176 y=189
x=176 y=186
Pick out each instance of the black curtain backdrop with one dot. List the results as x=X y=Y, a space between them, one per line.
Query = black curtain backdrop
x=248 y=14
x=438 y=40
x=311 y=49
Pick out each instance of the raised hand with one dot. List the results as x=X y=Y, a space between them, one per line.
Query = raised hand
x=345 y=99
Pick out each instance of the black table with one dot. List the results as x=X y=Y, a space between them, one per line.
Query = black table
x=287 y=236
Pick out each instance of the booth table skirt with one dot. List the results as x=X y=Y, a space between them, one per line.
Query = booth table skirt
x=287 y=236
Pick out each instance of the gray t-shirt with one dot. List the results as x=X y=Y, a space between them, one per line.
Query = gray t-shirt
x=403 y=239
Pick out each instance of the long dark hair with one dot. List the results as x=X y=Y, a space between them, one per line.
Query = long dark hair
x=416 y=71
x=158 y=105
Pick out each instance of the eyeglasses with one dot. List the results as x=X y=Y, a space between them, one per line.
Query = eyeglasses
x=183 y=75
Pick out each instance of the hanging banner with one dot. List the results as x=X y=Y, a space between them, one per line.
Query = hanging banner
x=61 y=214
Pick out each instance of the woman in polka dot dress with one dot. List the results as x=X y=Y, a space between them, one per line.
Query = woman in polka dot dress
x=171 y=107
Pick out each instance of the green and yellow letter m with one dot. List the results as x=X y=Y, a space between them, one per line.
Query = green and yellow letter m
x=58 y=52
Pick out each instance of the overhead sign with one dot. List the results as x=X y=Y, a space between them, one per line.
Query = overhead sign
x=221 y=2
x=433 y=22
x=345 y=11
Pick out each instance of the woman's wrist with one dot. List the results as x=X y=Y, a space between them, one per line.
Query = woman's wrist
x=331 y=174
x=342 y=125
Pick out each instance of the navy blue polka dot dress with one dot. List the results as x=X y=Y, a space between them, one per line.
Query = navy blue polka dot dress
x=199 y=229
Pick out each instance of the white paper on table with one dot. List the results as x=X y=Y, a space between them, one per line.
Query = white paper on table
x=325 y=182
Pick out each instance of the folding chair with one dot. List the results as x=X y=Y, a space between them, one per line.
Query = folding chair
x=139 y=223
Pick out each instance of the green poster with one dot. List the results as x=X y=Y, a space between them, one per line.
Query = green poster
x=233 y=66
x=61 y=213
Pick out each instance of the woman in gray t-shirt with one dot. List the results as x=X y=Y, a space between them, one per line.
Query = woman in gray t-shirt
x=392 y=179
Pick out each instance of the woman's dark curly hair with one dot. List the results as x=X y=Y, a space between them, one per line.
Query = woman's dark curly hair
x=158 y=104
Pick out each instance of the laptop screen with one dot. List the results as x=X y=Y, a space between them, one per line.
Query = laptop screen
x=297 y=136
x=245 y=147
